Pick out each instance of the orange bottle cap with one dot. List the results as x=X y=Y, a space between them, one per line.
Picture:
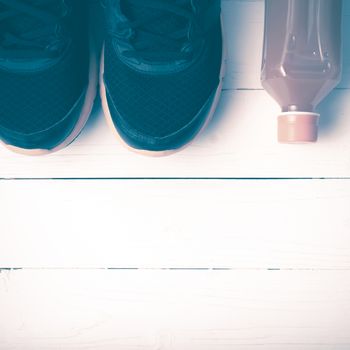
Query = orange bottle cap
x=298 y=127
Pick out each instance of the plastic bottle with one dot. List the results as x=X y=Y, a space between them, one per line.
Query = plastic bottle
x=301 y=61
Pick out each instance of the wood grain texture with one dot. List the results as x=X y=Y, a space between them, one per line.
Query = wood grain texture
x=167 y=310
x=175 y=224
x=185 y=264
x=241 y=140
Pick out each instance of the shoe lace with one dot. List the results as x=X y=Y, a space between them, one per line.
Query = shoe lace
x=162 y=30
x=32 y=28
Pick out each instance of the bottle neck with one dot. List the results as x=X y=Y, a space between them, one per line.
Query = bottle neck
x=305 y=108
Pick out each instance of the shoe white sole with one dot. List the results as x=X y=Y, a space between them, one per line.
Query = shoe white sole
x=209 y=117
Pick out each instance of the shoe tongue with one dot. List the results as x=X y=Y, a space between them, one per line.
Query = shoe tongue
x=165 y=22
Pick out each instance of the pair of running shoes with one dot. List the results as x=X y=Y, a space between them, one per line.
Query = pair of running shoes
x=161 y=71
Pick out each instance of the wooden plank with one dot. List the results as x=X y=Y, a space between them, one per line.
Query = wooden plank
x=243 y=34
x=175 y=224
x=240 y=142
x=173 y=310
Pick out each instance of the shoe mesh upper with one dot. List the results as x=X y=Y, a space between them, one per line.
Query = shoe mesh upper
x=34 y=101
x=159 y=105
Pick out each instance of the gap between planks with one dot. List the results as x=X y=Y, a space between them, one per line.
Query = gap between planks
x=171 y=178
x=11 y=269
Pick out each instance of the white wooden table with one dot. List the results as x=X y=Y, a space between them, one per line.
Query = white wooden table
x=236 y=243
